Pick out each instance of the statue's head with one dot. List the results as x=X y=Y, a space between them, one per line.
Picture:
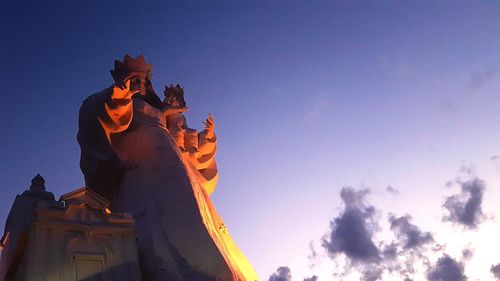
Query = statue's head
x=174 y=96
x=134 y=69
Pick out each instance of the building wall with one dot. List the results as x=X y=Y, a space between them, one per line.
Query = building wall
x=77 y=239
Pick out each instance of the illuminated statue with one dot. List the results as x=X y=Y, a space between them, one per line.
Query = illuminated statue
x=129 y=156
x=198 y=149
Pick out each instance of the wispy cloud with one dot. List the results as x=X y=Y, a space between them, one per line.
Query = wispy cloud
x=481 y=78
x=313 y=257
x=392 y=190
x=495 y=159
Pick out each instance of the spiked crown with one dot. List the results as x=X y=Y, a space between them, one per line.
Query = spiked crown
x=174 y=93
x=131 y=67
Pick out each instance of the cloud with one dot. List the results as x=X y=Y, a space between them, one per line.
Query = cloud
x=372 y=274
x=313 y=256
x=352 y=239
x=479 y=79
x=409 y=235
x=495 y=270
x=351 y=232
x=446 y=269
x=313 y=278
x=352 y=235
x=495 y=159
x=467 y=254
x=465 y=208
x=392 y=190
x=283 y=273
x=467 y=170
x=438 y=248
x=390 y=251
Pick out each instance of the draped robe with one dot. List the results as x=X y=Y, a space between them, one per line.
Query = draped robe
x=128 y=155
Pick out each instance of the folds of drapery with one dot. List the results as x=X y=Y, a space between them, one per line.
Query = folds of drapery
x=236 y=260
x=101 y=166
x=99 y=116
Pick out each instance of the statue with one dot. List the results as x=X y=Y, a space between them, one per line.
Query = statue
x=198 y=149
x=137 y=151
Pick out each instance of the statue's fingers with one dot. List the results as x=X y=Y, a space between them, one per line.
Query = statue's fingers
x=120 y=85
x=126 y=85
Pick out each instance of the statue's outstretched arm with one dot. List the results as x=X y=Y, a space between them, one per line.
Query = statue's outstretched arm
x=207 y=138
x=206 y=163
x=101 y=114
x=117 y=112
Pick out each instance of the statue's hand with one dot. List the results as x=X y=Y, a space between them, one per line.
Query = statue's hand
x=193 y=152
x=209 y=126
x=123 y=91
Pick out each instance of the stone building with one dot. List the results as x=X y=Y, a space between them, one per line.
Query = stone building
x=74 y=238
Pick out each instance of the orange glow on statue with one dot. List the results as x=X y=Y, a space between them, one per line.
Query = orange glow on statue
x=138 y=151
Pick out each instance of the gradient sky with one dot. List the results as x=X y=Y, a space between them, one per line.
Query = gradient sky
x=307 y=96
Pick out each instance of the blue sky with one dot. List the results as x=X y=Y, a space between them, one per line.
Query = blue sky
x=308 y=97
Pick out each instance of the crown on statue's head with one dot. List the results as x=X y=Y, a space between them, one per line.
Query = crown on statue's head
x=174 y=93
x=131 y=67
x=169 y=90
